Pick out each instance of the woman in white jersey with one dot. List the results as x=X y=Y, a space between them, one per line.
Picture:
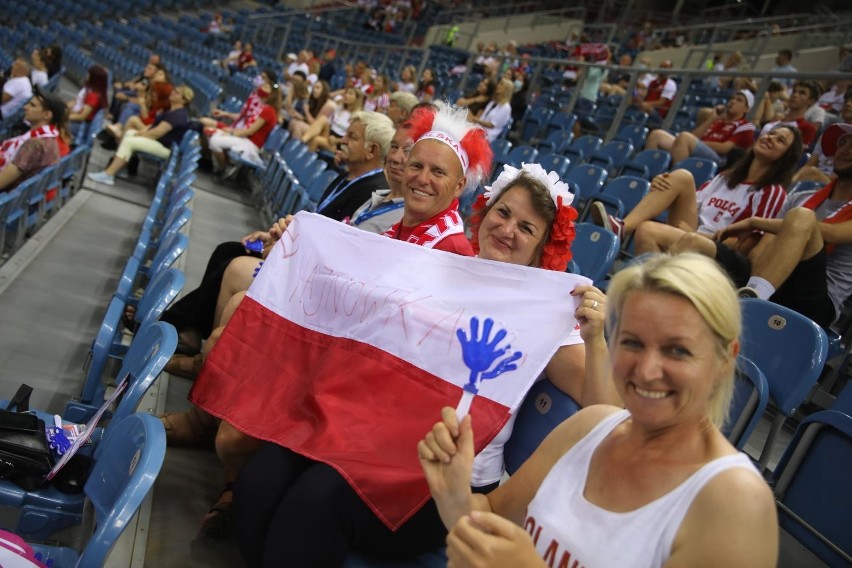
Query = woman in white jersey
x=753 y=186
x=653 y=485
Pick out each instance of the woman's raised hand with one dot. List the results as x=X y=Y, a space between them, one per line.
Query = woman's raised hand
x=446 y=455
x=276 y=231
x=591 y=313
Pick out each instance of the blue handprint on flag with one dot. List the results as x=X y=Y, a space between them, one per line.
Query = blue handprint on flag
x=480 y=352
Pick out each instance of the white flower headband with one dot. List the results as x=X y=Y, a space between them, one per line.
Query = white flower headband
x=550 y=180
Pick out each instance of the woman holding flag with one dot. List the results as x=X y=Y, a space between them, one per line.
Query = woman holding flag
x=290 y=506
x=653 y=485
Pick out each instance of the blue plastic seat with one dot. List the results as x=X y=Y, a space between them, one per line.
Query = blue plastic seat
x=544 y=408
x=588 y=179
x=622 y=194
x=812 y=488
x=790 y=349
x=594 y=250
x=47 y=510
x=535 y=120
x=647 y=164
x=501 y=149
x=554 y=162
x=119 y=482
x=702 y=170
x=751 y=395
x=556 y=141
x=561 y=122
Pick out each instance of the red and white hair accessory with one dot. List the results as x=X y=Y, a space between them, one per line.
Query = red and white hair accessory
x=449 y=125
x=556 y=253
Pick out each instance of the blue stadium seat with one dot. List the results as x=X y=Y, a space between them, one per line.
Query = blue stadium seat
x=594 y=250
x=588 y=180
x=121 y=479
x=544 y=408
x=555 y=162
x=702 y=170
x=790 y=349
x=812 y=488
x=647 y=164
x=751 y=395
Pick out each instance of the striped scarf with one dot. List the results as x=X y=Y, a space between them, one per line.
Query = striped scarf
x=10 y=147
x=430 y=233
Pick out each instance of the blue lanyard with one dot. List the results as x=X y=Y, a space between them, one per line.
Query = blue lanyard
x=366 y=215
x=336 y=193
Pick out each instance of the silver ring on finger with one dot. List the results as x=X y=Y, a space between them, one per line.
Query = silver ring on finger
x=594 y=304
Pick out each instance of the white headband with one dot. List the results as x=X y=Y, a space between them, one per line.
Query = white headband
x=454 y=145
x=550 y=180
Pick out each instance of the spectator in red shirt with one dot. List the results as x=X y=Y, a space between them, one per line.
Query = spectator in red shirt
x=259 y=122
x=246 y=58
x=805 y=94
x=91 y=98
x=725 y=130
x=658 y=97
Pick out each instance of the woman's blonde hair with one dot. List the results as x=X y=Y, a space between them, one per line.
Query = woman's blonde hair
x=699 y=280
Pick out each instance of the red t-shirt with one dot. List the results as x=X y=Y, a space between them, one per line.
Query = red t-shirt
x=93 y=100
x=244 y=59
x=806 y=129
x=457 y=243
x=655 y=93
x=740 y=132
x=269 y=120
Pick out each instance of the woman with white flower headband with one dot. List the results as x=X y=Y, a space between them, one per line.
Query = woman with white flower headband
x=524 y=218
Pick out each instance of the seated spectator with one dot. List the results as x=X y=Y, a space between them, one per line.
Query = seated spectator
x=804 y=95
x=325 y=132
x=378 y=98
x=407 y=80
x=733 y=62
x=832 y=100
x=229 y=63
x=38 y=75
x=819 y=166
x=782 y=65
x=319 y=104
x=296 y=102
x=573 y=501
x=126 y=92
x=26 y=155
x=17 y=90
x=658 y=97
x=246 y=58
x=426 y=88
x=248 y=138
x=296 y=63
x=53 y=59
x=149 y=102
x=727 y=129
x=773 y=106
x=591 y=78
x=497 y=114
x=168 y=128
x=753 y=186
x=400 y=105
x=91 y=98
x=328 y=68
x=618 y=82
x=476 y=100
x=804 y=259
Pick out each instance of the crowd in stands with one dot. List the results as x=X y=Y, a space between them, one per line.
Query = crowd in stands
x=653 y=399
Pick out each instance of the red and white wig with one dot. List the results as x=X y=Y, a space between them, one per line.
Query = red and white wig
x=449 y=124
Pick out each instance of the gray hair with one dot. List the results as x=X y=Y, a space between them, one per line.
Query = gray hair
x=378 y=128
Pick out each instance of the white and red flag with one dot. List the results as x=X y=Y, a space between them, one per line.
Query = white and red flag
x=349 y=344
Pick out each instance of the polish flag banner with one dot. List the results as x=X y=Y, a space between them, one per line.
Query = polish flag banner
x=348 y=345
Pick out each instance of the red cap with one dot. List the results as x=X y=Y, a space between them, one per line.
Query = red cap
x=832 y=136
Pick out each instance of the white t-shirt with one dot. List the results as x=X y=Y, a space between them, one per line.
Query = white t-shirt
x=20 y=89
x=296 y=66
x=38 y=78
x=488 y=465
x=499 y=116
x=720 y=205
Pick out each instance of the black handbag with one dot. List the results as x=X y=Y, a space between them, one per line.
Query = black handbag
x=25 y=457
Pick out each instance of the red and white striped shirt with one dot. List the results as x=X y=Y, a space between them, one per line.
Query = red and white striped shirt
x=720 y=205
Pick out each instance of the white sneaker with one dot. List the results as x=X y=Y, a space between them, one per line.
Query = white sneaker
x=102 y=177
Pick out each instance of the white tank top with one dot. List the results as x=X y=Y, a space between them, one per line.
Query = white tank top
x=570 y=531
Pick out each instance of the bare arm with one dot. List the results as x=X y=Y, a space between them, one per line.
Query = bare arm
x=246 y=132
x=9 y=175
x=82 y=115
x=732 y=522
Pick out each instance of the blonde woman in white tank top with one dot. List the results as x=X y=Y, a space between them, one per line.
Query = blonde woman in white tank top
x=654 y=485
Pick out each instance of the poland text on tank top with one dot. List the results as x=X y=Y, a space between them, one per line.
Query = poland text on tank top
x=571 y=532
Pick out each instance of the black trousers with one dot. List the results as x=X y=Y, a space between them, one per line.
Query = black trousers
x=292 y=511
x=197 y=309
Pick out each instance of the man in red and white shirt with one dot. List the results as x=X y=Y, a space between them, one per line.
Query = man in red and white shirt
x=713 y=139
x=804 y=95
x=658 y=97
